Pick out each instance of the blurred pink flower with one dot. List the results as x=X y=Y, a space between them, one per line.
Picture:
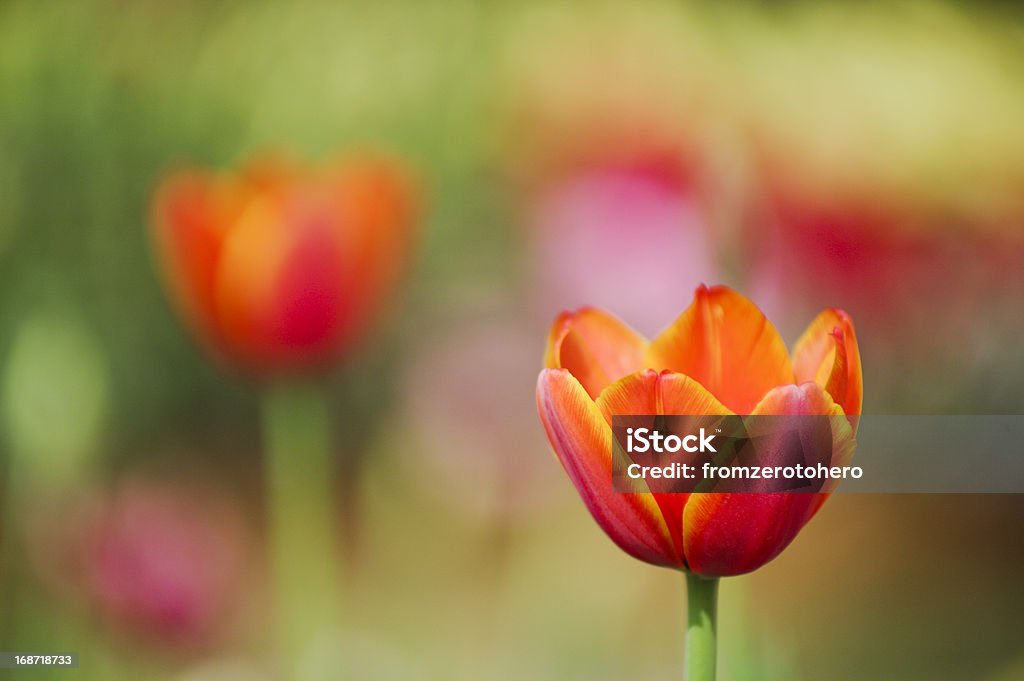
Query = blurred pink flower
x=612 y=156
x=630 y=238
x=165 y=560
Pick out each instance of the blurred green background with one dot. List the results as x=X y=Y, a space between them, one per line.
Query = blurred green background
x=868 y=156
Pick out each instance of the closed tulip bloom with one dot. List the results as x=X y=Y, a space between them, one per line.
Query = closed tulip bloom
x=721 y=356
x=280 y=268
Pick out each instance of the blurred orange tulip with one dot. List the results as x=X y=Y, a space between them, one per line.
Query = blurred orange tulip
x=281 y=269
x=721 y=356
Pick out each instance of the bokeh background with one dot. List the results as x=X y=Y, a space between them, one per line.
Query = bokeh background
x=862 y=155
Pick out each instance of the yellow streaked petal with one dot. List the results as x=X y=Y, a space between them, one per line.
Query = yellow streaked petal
x=582 y=441
x=827 y=354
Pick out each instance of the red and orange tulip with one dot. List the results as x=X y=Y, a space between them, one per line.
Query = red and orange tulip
x=721 y=356
x=282 y=269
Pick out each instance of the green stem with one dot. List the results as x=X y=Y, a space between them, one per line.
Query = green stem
x=701 y=624
x=303 y=543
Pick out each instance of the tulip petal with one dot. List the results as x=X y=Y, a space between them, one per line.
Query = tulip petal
x=649 y=392
x=595 y=347
x=827 y=354
x=192 y=212
x=730 y=534
x=724 y=342
x=312 y=307
x=254 y=252
x=376 y=203
x=582 y=440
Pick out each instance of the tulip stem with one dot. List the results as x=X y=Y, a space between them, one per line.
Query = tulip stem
x=701 y=625
x=303 y=543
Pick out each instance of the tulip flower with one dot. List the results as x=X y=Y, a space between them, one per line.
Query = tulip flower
x=279 y=269
x=720 y=357
x=280 y=272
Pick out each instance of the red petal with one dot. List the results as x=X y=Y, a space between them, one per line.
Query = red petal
x=730 y=534
x=312 y=315
x=191 y=214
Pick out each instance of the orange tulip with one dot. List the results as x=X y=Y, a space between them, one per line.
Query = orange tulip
x=281 y=269
x=721 y=356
